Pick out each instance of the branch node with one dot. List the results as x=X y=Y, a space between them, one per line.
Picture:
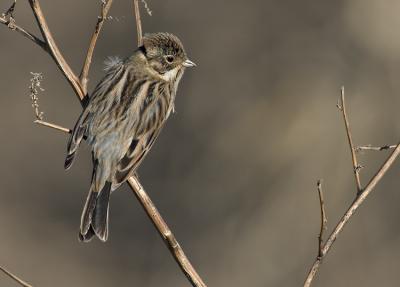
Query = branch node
x=9 y=16
x=10 y=11
x=340 y=108
x=358 y=168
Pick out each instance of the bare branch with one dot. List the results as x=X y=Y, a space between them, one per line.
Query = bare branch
x=349 y=213
x=324 y=220
x=54 y=51
x=53 y=126
x=14 y=277
x=7 y=19
x=166 y=233
x=375 y=148
x=138 y=22
x=10 y=11
x=356 y=166
x=105 y=7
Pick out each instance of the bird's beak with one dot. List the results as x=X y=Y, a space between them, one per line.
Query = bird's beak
x=188 y=64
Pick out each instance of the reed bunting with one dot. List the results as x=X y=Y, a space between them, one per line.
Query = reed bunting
x=122 y=119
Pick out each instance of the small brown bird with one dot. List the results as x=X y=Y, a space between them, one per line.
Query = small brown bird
x=123 y=118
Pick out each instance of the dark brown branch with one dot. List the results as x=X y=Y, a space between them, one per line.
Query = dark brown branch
x=324 y=220
x=349 y=213
x=356 y=166
x=375 y=148
x=15 y=278
x=10 y=11
x=138 y=22
x=10 y=23
x=105 y=7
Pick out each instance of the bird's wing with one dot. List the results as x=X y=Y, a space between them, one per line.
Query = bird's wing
x=76 y=137
x=154 y=110
x=107 y=84
x=134 y=156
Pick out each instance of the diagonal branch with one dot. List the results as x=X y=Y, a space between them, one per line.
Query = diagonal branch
x=349 y=213
x=11 y=24
x=15 y=278
x=356 y=166
x=166 y=233
x=105 y=7
x=54 y=51
x=10 y=11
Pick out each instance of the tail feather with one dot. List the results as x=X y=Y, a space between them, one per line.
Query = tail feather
x=69 y=160
x=78 y=133
x=88 y=236
x=94 y=220
x=87 y=213
x=100 y=213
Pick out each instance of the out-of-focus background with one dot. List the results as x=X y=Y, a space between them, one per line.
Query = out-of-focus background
x=234 y=172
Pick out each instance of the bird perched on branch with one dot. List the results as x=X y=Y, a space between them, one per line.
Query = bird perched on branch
x=123 y=118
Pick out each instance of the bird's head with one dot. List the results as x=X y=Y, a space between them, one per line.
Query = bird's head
x=165 y=54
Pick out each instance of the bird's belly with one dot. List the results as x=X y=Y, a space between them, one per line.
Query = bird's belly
x=111 y=147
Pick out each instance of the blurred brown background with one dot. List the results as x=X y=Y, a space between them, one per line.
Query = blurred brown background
x=234 y=172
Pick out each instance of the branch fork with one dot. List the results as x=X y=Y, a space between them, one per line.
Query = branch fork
x=362 y=194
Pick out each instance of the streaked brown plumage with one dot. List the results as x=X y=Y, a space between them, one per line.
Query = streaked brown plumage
x=122 y=119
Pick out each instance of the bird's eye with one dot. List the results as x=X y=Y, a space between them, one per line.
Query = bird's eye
x=170 y=59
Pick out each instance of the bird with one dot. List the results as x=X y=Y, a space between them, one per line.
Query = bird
x=122 y=119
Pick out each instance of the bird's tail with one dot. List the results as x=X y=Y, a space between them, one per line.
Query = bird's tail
x=94 y=220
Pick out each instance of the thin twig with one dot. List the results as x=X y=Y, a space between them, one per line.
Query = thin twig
x=138 y=22
x=105 y=7
x=15 y=278
x=324 y=220
x=10 y=11
x=375 y=148
x=13 y=26
x=356 y=166
x=349 y=213
x=53 y=126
